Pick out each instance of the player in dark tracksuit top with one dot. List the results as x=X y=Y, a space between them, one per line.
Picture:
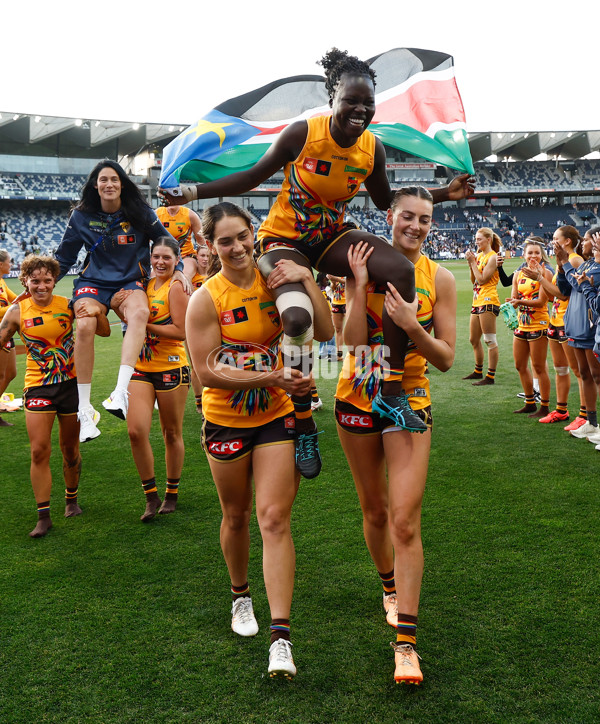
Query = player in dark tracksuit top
x=115 y=226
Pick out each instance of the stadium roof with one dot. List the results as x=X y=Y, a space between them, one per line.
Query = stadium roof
x=28 y=135
x=23 y=134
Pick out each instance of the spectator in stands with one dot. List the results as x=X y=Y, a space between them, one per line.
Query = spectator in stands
x=115 y=225
x=486 y=304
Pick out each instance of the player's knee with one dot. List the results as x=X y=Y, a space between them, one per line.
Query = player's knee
x=561 y=371
x=296 y=312
x=490 y=341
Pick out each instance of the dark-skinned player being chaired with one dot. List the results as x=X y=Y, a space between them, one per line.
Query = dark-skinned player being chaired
x=306 y=224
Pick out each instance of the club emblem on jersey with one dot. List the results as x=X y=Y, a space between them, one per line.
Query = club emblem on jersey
x=352 y=184
x=35 y=322
x=315 y=165
x=125 y=225
x=233 y=316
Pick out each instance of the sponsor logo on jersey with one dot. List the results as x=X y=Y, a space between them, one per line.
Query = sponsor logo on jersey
x=339 y=158
x=169 y=377
x=86 y=290
x=38 y=402
x=317 y=165
x=249 y=299
x=126 y=239
x=419 y=392
x=233 y=316
x=289 y=423
x=353 y=169
x=173 y=358
x=225 y=448
x=353 y=420
x=35 y=322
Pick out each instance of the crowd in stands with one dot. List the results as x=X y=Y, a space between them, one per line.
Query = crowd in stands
x=25 y=228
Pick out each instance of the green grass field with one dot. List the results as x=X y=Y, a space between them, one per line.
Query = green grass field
x=110 y=620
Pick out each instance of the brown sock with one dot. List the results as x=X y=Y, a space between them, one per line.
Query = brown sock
x=44 y=523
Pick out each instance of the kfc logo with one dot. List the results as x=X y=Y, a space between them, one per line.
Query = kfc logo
x=225 y=448
x=86 y=290
x=355 y=420
x=37 y=402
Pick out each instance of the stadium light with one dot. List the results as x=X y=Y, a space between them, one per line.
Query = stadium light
x=37 y=119
x=136 y=126
x=78 y=122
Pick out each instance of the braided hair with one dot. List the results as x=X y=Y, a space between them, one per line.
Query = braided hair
x=337 y=62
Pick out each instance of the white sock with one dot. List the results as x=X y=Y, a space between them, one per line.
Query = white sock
x=125 y=373
x=84 y=391
x=536 y=385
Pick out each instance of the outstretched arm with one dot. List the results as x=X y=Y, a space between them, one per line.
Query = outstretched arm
x=286 y=148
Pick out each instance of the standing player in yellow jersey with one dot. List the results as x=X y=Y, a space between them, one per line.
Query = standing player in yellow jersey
x=373 y=444
x=45 y=323
x=185 y=227
x=162 y=374
x=530 y=340
x=234 y=333
x=8 y=356
x=326 y=159
x=198 y=280
x=563 y=356
x=486 y=304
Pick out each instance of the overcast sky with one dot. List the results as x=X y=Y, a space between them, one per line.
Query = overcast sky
x=521 y=65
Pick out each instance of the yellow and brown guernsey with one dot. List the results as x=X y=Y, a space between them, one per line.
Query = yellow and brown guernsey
x=251 y=333
x=47 y=332
x=361 y=376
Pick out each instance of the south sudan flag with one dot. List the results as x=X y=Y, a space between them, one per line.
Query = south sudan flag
x=419 y=111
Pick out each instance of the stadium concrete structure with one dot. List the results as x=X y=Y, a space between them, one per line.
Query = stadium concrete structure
x=526 y=182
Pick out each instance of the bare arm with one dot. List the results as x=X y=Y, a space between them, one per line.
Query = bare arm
x=203 y=333
x=178 y=303
x=286 y=148
x=356 y=331
x=10 y=324
x=483 y=276
x=438 y=349
x=196 y=226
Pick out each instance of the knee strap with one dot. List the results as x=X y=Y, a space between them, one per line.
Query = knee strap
x=490 y=340
x=561 y=371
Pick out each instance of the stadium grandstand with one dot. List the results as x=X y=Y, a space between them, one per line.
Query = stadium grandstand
x=528 y=182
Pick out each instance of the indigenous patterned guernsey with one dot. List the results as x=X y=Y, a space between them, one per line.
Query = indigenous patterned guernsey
x=48 y=335
x=250 y=335
x=360 y=378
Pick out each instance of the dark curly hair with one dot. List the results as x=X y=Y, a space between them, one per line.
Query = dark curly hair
x=33 y=262
x=337 y=62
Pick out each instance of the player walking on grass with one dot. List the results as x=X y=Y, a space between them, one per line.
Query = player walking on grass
x=234 y=332
x=326 y=159
x=162 y=374
x=375 y=446
x=115 y=226
x=45 y=323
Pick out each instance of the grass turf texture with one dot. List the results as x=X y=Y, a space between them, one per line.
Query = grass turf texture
x=110 y=620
